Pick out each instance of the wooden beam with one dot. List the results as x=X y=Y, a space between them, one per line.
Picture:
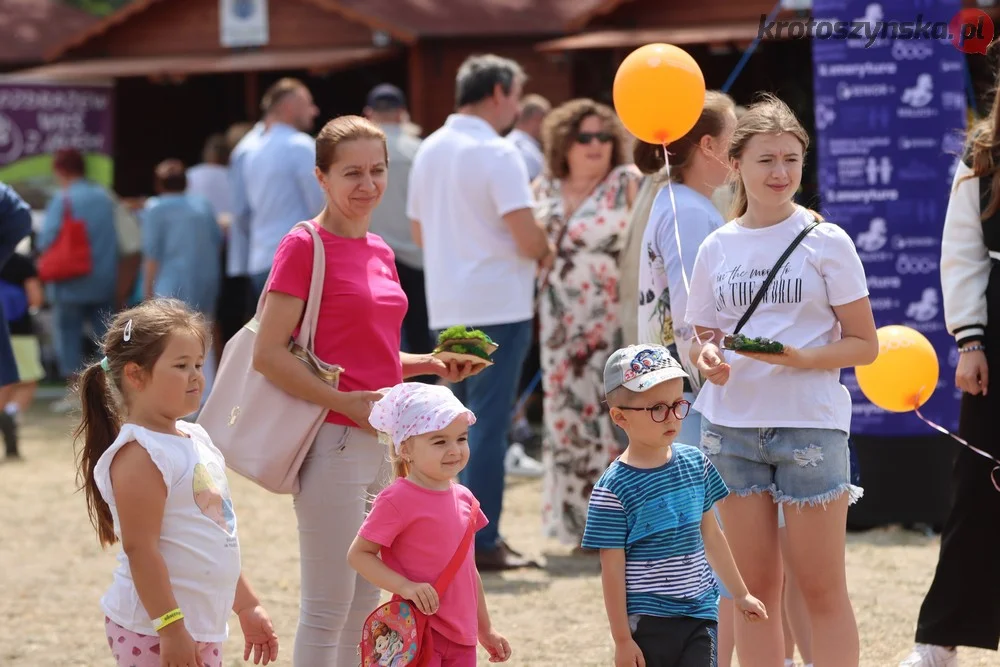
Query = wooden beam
x=417 y=75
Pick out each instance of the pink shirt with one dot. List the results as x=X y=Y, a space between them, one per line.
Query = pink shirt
x=362 y=309
x=419 y=531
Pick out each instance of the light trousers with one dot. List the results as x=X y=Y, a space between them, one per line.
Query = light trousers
x=342 y=473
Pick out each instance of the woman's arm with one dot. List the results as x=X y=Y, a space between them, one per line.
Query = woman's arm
x=965 y=261
x=858 y=345
x=140 y=496
x=415 y=365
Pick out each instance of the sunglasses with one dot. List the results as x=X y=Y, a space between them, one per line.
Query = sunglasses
x=587 y=137
x=659 y=412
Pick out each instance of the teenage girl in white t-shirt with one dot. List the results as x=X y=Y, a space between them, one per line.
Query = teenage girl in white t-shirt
x=776 y=426
x=158 y=485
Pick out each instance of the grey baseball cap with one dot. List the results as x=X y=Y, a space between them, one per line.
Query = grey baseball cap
x=639 y=368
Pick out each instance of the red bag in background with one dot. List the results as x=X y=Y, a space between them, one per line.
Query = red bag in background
x=69 y=255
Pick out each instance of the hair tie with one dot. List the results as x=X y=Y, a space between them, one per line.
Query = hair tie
x=105 y=365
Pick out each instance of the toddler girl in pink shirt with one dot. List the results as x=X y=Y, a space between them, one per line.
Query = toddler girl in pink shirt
x=418 y=521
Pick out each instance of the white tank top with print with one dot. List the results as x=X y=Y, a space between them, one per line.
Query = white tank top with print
x=198 y=539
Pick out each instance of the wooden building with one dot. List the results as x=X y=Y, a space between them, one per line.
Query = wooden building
x=177 y=83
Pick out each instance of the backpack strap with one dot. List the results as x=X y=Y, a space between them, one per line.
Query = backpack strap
x=774 y=271
x=451 y=570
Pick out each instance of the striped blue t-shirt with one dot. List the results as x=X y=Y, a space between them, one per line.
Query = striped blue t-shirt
x=655 y=516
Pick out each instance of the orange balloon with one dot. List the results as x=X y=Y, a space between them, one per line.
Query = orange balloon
x=659 y=92
x=904 y=375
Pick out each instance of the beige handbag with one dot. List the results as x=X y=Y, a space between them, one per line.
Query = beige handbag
x=263 y=432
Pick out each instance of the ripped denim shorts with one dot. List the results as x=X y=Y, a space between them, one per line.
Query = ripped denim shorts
x=797 y=466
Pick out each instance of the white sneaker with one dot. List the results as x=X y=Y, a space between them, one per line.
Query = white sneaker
x=518 y=464
x=926 y=655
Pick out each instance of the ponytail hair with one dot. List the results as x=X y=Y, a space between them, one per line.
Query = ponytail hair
x=769 y=115
x=99 y=427
x=712 y=122
x=136 y=337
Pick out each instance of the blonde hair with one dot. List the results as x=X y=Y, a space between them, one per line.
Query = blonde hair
x=768 y=115
x=400 y=468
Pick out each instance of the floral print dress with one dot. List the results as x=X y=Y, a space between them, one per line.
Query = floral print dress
x=578 y=315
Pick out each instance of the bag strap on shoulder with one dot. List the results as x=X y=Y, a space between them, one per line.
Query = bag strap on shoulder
x=443 y=581
x=310 y=313
x=774 y=271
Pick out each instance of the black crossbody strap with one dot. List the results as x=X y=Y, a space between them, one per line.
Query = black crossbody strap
x=774 y=271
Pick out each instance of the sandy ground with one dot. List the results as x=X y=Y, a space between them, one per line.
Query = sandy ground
x=52 y=574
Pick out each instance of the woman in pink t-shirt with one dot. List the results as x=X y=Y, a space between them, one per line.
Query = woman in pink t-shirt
x=360 y=319
x=418 y=522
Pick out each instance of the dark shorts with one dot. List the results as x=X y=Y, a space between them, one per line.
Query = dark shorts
x=676 y=642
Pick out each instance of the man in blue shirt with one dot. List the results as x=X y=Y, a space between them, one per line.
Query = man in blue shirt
x=274 y=176
x=15 y=224
x=651 y=517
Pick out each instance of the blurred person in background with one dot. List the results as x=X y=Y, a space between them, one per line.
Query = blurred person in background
x=527 y=133
x=22 y=294
x=583 y=200
x=386 y=107
x=89 y=299
x=273 y=183
x=15 y=225
x=182 y=246
x=210 y=180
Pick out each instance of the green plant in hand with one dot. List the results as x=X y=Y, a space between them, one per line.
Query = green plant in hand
x=741 y=343
x=462 y=340
x=463 y=333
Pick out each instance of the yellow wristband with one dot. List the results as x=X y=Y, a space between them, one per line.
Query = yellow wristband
x=167 y=619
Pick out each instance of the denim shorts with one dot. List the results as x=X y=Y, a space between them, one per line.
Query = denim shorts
x=797 y=466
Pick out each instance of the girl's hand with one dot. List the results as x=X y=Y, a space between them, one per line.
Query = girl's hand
x=752 y=608
x=495 y=645
x=788 y=357
x=973 y=374
x=357 y=406
x=178 y=648
x=259 y=635
x=711 y=365
x=422 y=595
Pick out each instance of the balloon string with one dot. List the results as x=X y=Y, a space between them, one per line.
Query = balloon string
x=677 y=225
x=945 y=431
x=677 y=239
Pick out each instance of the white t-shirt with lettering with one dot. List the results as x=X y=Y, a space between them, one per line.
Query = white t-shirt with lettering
x=824 y=271
x=198 y=538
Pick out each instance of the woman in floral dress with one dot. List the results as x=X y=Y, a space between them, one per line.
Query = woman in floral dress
x=583 y=199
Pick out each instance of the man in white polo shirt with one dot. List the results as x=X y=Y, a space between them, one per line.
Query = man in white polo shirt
x=470 y=207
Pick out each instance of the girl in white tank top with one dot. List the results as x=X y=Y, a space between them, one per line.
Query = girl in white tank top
x=158 y=486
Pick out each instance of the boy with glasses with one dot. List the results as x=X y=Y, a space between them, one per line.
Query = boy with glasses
x=650 y=515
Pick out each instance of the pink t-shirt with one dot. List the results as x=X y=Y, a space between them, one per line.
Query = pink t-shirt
x=419 y=531
x=362 y=309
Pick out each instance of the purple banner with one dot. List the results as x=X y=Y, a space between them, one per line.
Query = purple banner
x=38 y=119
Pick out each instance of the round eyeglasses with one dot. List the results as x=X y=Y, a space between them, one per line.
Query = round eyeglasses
x=659 y=412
